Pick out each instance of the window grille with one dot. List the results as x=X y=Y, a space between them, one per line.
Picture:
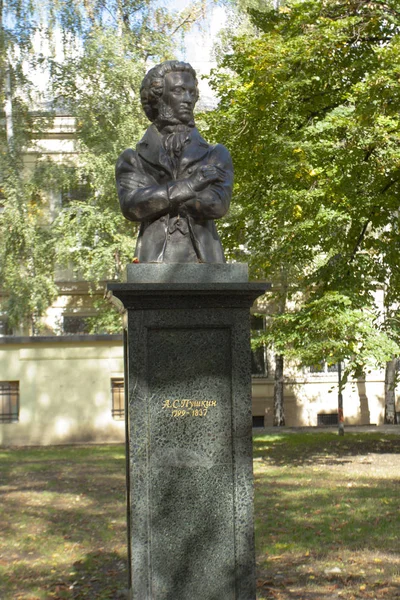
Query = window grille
x=327 y=419
x=258 y=421
x=75 y=325
x=323 y=368
x=118 y=399
x=9 y=401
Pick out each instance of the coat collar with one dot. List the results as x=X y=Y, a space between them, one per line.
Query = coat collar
x=151 y=149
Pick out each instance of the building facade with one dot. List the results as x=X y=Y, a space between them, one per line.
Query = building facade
x=70 y=389
x=65 y=386
x=61 y=389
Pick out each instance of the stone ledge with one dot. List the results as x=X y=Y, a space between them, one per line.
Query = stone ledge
x=186 y=273
x=155 y=296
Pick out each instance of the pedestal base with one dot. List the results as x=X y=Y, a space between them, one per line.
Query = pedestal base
x=190 y=448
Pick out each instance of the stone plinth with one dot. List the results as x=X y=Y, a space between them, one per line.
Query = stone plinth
x=186 y=273
x=190 y=450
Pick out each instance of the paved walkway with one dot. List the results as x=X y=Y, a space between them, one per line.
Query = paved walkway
x=394 y=429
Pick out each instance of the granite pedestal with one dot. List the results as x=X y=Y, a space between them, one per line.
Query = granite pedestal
x=190 y=483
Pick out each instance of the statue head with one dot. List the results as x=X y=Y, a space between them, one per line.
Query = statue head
x=169 y=92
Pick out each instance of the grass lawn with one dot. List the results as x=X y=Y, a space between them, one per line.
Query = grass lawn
x=327 y=516
x=327 y=519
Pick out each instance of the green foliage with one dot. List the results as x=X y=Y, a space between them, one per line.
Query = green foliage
x=329 y=329
x=99 y=85
x=96 y=80
x=100 y=89
x=26 y=252
x=310 y=111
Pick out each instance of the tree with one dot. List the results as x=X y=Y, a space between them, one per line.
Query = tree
x=26 y=253
x=391 y=378
x=105 y=46
x=310 y=111
x=99 y=85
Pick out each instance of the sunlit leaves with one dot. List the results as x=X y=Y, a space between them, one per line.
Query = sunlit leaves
x=310 y=111
x=97 y=54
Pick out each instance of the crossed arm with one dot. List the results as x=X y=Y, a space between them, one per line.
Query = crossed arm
x=205 y=194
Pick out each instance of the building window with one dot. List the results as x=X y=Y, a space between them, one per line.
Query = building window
x=118 y=399
x=258 y=420
x=9 y=401
x=74 y=325
x=76 y=190
x=327 y=419
x=323 y=368
x=259 y=364
x=4 y=327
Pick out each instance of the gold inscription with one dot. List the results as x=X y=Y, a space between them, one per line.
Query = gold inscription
x=188 y=408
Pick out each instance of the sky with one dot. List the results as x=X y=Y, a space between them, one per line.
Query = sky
x=197 y=50
x=198 y=45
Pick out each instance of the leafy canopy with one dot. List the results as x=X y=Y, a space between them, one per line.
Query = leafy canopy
x=310 y=109
x=97 y=56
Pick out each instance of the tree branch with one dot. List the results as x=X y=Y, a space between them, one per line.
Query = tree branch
x=368 y=153
x=187 y=20
x=360 y=239
x=364 y=229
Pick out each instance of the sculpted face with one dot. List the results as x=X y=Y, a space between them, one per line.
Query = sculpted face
x=179 y=97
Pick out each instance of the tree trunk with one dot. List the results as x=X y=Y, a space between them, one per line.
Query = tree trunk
x=279 y=413
x=8 y=109
x=390 y=391
x=2 y=58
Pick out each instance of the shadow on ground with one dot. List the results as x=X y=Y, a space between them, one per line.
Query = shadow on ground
x=307 y=448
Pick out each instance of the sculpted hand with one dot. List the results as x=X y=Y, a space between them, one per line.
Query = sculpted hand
x=126 y=181
x=204 y=176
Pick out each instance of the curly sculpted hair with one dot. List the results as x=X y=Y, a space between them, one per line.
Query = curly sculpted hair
x=152 y=86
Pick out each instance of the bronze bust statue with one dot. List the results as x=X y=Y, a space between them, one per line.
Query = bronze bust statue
x=175 y=183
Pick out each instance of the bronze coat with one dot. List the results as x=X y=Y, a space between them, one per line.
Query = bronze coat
x=148 y=185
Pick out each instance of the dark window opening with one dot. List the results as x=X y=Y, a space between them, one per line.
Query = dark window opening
x=323 y=368
x=78 y=191
x=75 y=325
x=5 y=329
x=257 y=323
x=118 y=399
x=330 y=419
x=259 y=364
x=258 y=421
x=9 y=401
